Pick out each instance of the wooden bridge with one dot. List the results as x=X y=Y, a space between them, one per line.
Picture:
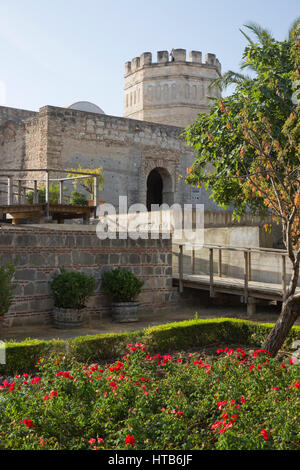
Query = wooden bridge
x=216 y=282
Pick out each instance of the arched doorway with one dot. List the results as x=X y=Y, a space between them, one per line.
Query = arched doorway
x=159 y=188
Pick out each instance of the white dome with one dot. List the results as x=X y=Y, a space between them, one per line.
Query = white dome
x=87 y=107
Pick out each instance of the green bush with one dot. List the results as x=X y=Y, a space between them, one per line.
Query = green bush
x=163 y=338
x=122 y=285
x=78 y=199
x=53 y=195
x=6 y=288
x=238 y=401
x=72 y=289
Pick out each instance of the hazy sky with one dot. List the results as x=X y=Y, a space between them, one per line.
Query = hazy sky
x=60 y=51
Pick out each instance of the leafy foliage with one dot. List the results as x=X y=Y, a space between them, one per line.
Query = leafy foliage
x=248 y=149
x=122 y=285
x=149 y=401
x=6 y=287
x=72 y=289
x=53 y=195
x=78 y=199
x=88 y=182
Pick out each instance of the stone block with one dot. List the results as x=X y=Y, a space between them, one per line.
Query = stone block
x=25 y=274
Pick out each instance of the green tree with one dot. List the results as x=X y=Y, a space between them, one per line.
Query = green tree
x=248 y=150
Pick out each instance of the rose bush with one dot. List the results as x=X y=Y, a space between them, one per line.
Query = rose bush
x=153 y=402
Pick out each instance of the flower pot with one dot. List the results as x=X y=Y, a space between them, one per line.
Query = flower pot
x=68 y=318
x=91 y=203
x=125 y=312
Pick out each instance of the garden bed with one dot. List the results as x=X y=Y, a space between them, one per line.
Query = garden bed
x=229 y=399
x=163 y=338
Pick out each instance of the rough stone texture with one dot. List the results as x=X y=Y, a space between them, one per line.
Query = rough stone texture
x=38 y=253
x=127 y=149
x=167 y=92
x=13 y=114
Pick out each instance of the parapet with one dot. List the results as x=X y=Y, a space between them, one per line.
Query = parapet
x=163 y=57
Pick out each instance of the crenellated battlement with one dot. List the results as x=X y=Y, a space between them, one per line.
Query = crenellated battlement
x=170 y=91
x=163 y=57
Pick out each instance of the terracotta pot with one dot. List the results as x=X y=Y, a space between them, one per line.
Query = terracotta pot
x=91 y=203
x=68 y=318
x=125 y=312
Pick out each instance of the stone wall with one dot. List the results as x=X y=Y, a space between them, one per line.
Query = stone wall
x=23 y=145
x=13 y=114
x=127 y=150
x=38 y=253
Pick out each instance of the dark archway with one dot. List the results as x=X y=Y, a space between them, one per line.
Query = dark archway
x=159 y=188
x=154 y=189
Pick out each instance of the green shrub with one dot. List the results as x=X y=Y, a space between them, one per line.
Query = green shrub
x=122 y=285
x=163 y=338
x=72 y=289
x=53 y=195
x=238 y=401
x=78 y=199
x=6 y=288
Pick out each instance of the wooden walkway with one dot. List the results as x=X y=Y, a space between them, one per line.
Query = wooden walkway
x=247 y=289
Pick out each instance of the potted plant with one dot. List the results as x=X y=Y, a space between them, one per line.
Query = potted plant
x=123 y=287
x=71 y=291
x=6 y=290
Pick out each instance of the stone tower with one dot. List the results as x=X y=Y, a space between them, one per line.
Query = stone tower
x=170 y=92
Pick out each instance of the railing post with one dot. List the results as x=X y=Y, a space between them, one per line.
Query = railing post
x=96 y=194
x=246 y=287
x=10 y=191
x=47 y=194
x=249 y=266
x=180 y=267
x=35 y=193
x=193 y=261
x=19 y=192
x=220 y=264
x=211 y=272
x=61 y=192
x=283 y=275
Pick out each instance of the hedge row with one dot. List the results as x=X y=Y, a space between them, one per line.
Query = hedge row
x=23 y=356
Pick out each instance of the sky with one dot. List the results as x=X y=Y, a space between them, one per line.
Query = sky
x=61 y=51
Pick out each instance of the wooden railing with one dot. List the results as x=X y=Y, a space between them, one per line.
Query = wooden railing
x=12 y=181
x=247 y=264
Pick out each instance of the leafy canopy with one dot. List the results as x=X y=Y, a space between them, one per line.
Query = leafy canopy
x=248 y=148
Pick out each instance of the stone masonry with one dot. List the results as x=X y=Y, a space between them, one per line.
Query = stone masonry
x=168 y=92
x=127 y=150
x=38 y=253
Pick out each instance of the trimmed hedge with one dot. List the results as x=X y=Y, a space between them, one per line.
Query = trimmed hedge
x=23 y=356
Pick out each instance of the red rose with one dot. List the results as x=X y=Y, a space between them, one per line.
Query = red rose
x=130 y=440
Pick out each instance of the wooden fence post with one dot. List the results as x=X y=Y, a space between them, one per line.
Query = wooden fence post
x=193 y=261
x=220 y=263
